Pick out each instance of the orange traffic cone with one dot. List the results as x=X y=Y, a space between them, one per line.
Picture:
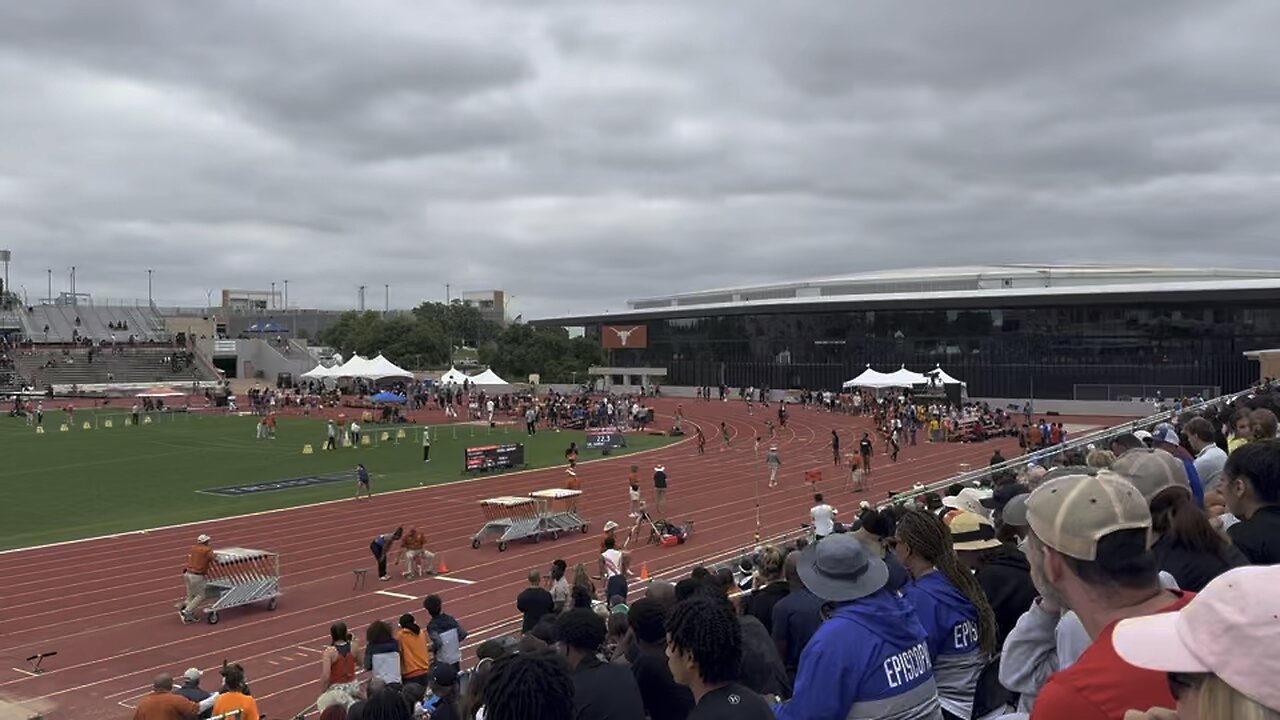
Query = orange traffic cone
x=644 y=571
x=441 y=567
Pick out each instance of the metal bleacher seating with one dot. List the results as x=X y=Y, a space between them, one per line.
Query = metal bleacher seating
x=142 y=364
x=95 y=323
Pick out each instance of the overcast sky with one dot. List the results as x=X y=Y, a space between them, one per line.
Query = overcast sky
x=580 y=153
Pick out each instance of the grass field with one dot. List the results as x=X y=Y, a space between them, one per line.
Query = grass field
x=80 y=483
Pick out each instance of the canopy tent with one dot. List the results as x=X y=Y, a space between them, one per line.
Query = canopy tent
x=942 y=378
x=387 y=397
x=869 y=379
x=453 y=376
x=355 y=367
x=321 y=372
x=902 y=377
x=488 y=377
x=160 y=392
x=380 y=367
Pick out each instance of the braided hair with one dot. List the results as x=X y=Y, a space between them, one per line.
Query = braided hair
x=707 y=629
x=529 y=686
x=929 y=537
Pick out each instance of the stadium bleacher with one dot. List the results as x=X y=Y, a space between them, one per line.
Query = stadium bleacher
x=141 y=364
x=96 y=322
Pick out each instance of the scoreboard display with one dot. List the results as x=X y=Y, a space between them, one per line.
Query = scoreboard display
x=494 y=457
x=605 y=439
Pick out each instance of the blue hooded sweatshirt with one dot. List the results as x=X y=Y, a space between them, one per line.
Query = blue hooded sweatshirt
x=869 y=660
x=954 y=641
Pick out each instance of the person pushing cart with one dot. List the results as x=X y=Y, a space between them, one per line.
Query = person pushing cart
x=195 y=575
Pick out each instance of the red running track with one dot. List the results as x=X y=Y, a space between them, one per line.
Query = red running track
x=106 y=605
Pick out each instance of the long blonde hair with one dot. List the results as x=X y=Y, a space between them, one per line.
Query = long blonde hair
x=1220 y=701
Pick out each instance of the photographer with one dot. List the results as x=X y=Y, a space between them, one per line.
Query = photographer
x=235 y=695
x=341 y=658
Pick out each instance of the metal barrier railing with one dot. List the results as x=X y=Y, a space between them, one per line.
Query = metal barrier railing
x=1077 y=443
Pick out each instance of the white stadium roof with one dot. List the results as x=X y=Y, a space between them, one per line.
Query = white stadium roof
x=968 y=286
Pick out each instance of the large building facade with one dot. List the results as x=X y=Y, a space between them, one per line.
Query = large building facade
x=1085 y=332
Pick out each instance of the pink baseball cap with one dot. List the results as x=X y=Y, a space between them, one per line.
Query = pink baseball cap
x=1238 y=610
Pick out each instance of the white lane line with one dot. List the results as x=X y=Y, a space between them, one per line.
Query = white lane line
x=24 y=672
x=388 y=593
x=455 y=580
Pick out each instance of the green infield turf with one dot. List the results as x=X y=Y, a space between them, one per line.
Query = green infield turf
x=80 y=483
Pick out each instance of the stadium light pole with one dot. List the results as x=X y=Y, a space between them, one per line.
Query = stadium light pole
x=273 y=295
x=386 y=300
x=49 y=298
x=150 y=302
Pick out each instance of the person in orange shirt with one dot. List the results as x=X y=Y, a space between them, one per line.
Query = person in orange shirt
x=196 y=576
x=164 y=704
x=234 y=698
x=415 y=656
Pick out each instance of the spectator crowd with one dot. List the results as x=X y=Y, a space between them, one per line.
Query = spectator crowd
x=1136 y=581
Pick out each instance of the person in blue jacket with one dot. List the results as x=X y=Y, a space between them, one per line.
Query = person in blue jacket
x=951 y=605
x=870 y=658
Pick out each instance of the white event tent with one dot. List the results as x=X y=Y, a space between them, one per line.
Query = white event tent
x=380 y=367
x=902 y=377
x=318 y=372
x=869 y=379
x=453 y=376
x=488 y=378
x=942 y=377
x=353 y=368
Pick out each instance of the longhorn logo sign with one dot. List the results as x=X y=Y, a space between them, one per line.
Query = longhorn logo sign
x=624 y=336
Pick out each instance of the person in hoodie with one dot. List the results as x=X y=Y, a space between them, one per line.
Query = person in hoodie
x=1185 y=544
x=1000 y=568
x=767 y=587
x=446 y=633
x=952 y=607
x=871 y=657
x=382 y=653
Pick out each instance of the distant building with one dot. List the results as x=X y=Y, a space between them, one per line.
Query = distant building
x=1089 y=332
x=492 y=304
x=249 y=301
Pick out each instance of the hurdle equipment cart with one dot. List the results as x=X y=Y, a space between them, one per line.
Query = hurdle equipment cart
x=508 y=518
x=558 y=511
x=242 y=576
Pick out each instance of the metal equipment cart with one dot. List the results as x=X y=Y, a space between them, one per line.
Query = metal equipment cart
x=508 y=518
x=558 y=511
x=240 y=576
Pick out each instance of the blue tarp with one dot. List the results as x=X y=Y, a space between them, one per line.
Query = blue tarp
x=385 y=396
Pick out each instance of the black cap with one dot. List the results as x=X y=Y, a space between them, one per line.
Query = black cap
x=445 y=675
x=1003 y=494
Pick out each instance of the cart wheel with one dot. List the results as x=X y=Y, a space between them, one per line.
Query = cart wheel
x=537 y=538
x=502 y=546
x=555 y=534
x=584 y=528
x=213 y=618
x=271 y=604
x=475 y=543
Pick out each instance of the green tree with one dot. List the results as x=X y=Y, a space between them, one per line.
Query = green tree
x=521 y=350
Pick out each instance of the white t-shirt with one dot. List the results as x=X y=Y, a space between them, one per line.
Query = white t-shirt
x=823 y=519
x=612 y=562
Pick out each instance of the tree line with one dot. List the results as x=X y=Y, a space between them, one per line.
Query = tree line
x=430 y=335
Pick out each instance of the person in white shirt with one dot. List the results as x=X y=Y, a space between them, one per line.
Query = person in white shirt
x=426 y=444
x=1210 y=458
x=823 y=517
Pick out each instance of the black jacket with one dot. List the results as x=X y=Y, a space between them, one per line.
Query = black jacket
x=759 y=604
x=1194 y=569
x=606 y=691
x=1005 y=577
x=1259 y=536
